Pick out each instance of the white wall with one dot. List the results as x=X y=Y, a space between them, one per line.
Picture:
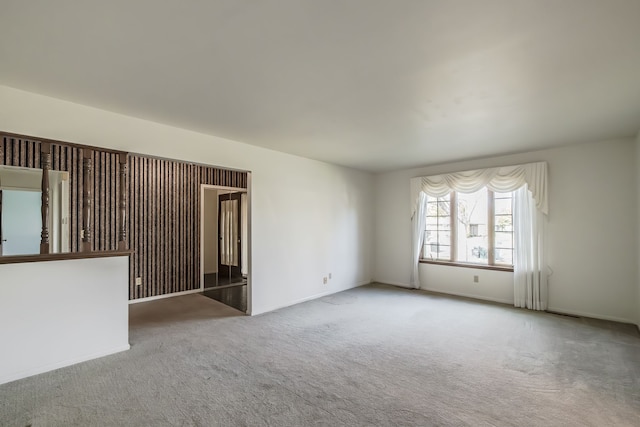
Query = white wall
x=308 y=218
x=592 y=233
x=210 y=231
x=244 y=234
x=58 y=313
x=638 y=219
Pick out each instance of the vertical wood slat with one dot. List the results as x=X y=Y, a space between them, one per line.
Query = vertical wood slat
x=101 y=230
x=44 y=206
x=122 y=202
x=87 y=199
x=180 y=225
x=152 y=215
x=142 y=240
x=76 y=200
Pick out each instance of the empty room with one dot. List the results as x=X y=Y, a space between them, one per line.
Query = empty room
x=309 y=212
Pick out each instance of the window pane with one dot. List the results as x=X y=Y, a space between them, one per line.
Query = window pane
x=444 y=237
x=504 y=240
x=432 y=223
x=444 y=208
x=503 y=220
x=504 y=206
x=434 y=251
x=437 y=241
x=504 y=256
x=472 y=219
x=432 y=209
x=504 y=223
x=445 y=253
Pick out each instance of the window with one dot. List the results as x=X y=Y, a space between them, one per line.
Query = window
x=470 y=228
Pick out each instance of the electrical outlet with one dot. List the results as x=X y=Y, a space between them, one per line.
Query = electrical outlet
x=329 y=276
x=138 y=281
x=324 y=280
x=476 y=279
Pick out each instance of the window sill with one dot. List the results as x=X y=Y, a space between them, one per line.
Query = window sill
x=465 y=265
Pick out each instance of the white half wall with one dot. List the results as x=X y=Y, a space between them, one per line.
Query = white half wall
x=58 y=313
x=638 y=220
x=592 y=233
x=308 y=218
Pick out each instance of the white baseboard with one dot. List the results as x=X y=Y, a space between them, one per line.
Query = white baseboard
x=391 y=282
x=560 y=310
x=42 y=369
x=556 y=310
x=309 y=298
x=465 y=295
x=157 y=297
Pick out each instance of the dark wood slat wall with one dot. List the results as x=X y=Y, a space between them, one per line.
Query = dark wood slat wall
x=106 y=191
x=162 y=215
x=20 y=152
x=164 y=222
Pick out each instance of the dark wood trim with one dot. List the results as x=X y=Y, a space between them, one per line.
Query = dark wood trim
x=55 y=141
x=87 y=199
x=465 y=265
x=122 y=203
x=15 y=259
x=45 y=163
x=242 y=183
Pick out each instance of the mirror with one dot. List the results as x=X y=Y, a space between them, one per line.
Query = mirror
x=20 y=211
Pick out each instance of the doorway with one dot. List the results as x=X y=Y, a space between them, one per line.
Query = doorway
x=225 y=245
x=229 y=238
x=20 y=222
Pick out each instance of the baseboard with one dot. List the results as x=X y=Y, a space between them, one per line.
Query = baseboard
x=52 y=367
x=464 y=295
x=392 y=283
x=309 y=298
x=157 y=297
x=556 y=310
x=590 y=315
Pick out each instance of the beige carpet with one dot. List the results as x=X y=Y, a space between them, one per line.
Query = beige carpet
x=375 y=355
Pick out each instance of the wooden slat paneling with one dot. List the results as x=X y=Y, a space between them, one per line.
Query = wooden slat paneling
x=162 y=215
x=26 y=153
x=164 y=222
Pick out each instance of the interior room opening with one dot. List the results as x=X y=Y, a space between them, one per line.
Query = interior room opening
x=225 y=245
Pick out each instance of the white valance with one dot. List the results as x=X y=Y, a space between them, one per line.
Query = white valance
x=502 y=179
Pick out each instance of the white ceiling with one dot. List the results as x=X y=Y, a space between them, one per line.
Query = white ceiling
x=372 y=84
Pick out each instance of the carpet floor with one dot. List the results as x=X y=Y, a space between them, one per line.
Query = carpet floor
x=375 y=355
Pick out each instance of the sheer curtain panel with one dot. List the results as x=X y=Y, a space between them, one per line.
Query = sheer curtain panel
x=418 y=222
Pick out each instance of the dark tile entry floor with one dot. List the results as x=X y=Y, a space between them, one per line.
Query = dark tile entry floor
x=233 y=296
x=211 y=280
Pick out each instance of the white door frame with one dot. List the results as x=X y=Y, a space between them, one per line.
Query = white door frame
x=203 y=188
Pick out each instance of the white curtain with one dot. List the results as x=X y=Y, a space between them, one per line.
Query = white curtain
x=529 y=181
x=503 y=179
x=530 y=275
x=418 y=223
